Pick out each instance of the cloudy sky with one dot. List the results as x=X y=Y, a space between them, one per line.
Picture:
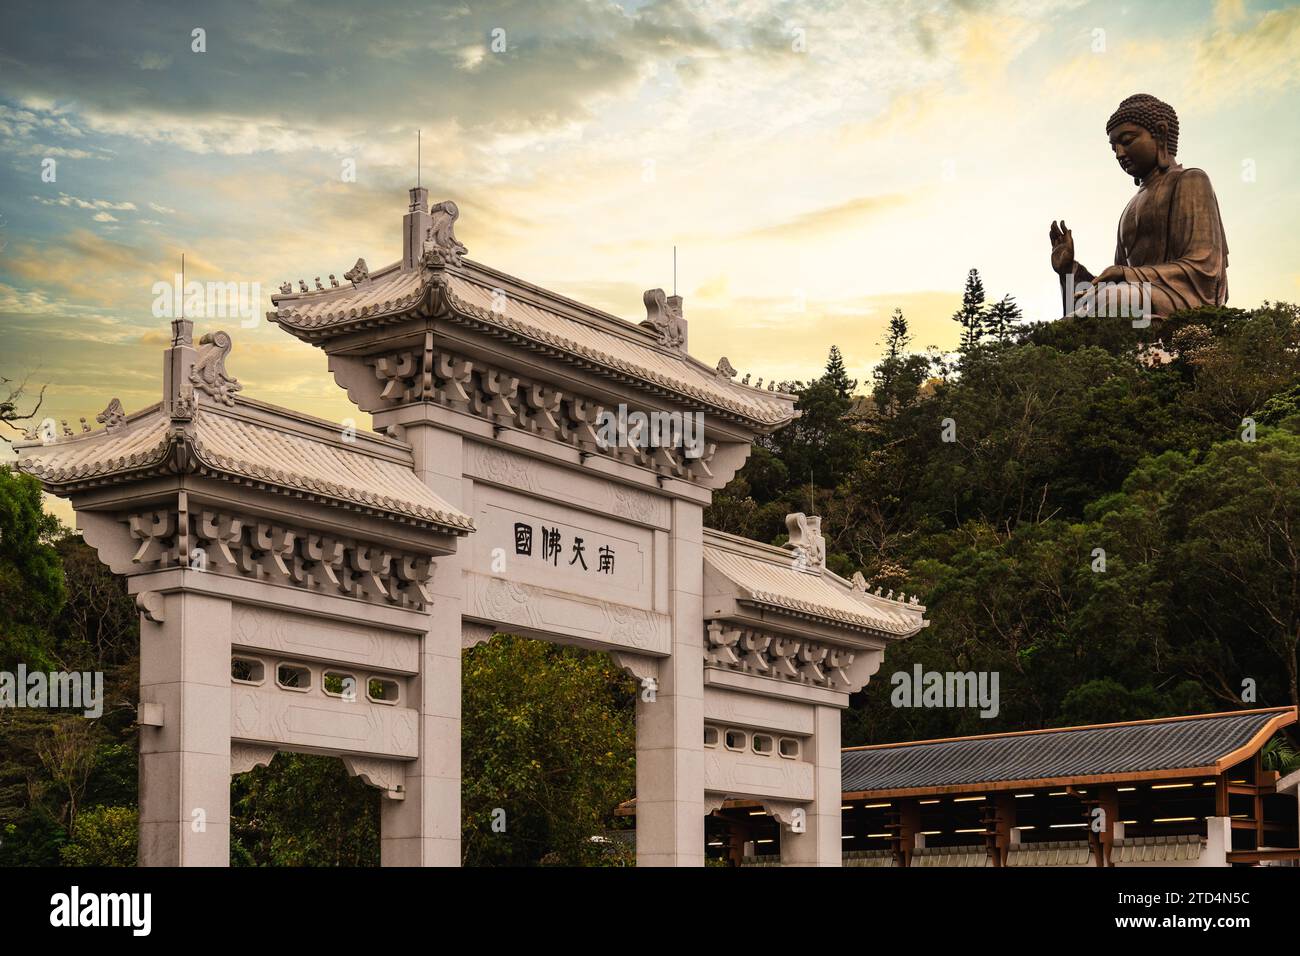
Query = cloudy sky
x=816 y=164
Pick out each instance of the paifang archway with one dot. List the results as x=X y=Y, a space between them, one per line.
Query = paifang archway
x=496 y=496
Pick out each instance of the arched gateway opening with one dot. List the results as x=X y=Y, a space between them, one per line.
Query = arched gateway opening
x=548 y=752
x=539 y=468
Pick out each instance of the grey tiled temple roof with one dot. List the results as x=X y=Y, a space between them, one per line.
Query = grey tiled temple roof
x=763 y=575
x=251 y=442
x=1172 y=747
x=537 y=318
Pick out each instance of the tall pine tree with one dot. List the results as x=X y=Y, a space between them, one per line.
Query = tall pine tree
x=971 y=315
x=898 y=375
x=837 y=375
x=1001 y=318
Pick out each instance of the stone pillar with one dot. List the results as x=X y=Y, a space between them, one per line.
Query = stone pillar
x=670 y=730
x=424 y=828
x=1218 y=842
x=819 y=844
x=185 y=762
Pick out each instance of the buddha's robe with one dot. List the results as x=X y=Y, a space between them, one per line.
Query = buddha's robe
x=1171 y=236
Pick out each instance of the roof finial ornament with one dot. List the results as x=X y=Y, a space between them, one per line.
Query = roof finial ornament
x=359 y=274
x=806 y=541
x=441 y=247
x=725 y=369
x=182 y=332
x=209 y=372
x=664 y=317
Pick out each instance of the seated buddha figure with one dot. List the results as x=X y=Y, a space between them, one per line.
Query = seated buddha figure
x=1170 y=249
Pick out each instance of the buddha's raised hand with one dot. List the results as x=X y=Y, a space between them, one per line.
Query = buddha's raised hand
x=1062 y=248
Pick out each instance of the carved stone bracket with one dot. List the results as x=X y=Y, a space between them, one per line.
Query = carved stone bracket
x=221 y=542
x=433 y=374
x=797 y=659
x=150 y=604
x=244 y=757
x=473 y=634
x=714 y=801
x=638 y=665
x=386 y=775
x=783 y=810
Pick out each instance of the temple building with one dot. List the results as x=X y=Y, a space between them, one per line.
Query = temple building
x=1179 y=791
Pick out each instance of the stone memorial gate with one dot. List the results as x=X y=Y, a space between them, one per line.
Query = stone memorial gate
x=539 y=468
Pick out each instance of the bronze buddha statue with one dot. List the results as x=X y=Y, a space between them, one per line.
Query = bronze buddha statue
x=1171 y=251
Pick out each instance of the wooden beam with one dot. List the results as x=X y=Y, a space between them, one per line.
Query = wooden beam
x=1259 y=800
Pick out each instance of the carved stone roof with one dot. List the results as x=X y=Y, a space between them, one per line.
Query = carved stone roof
x=249 y=442
x=767 y=577
x=467 y=292
x=1199 y=745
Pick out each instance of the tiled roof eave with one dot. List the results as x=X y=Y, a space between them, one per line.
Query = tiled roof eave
x=615 y=370
x=275 y=480
x=1182 y=748
x=345 y=504
x=1020 y=783
x=414 y=303
x=420 y=304
x=776 y=605
x=308 y=332
x=157 y=459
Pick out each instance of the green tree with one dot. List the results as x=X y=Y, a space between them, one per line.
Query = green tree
x=898 y=375
x=971 y=314
x=1002 y=318
x=837 y=375
x=548 y=751
x=105 y=836
x=1235 y=518
x=31 y=575
x=303 y=810
x=69 y=752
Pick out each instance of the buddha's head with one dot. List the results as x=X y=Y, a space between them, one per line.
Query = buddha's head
x=1143 y=135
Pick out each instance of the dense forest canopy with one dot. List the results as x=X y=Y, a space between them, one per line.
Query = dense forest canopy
x=1107 y=517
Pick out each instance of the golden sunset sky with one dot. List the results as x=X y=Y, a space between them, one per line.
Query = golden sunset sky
x=815 y=164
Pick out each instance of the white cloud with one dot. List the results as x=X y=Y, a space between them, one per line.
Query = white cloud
x=73 y=201
x=153 y=61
